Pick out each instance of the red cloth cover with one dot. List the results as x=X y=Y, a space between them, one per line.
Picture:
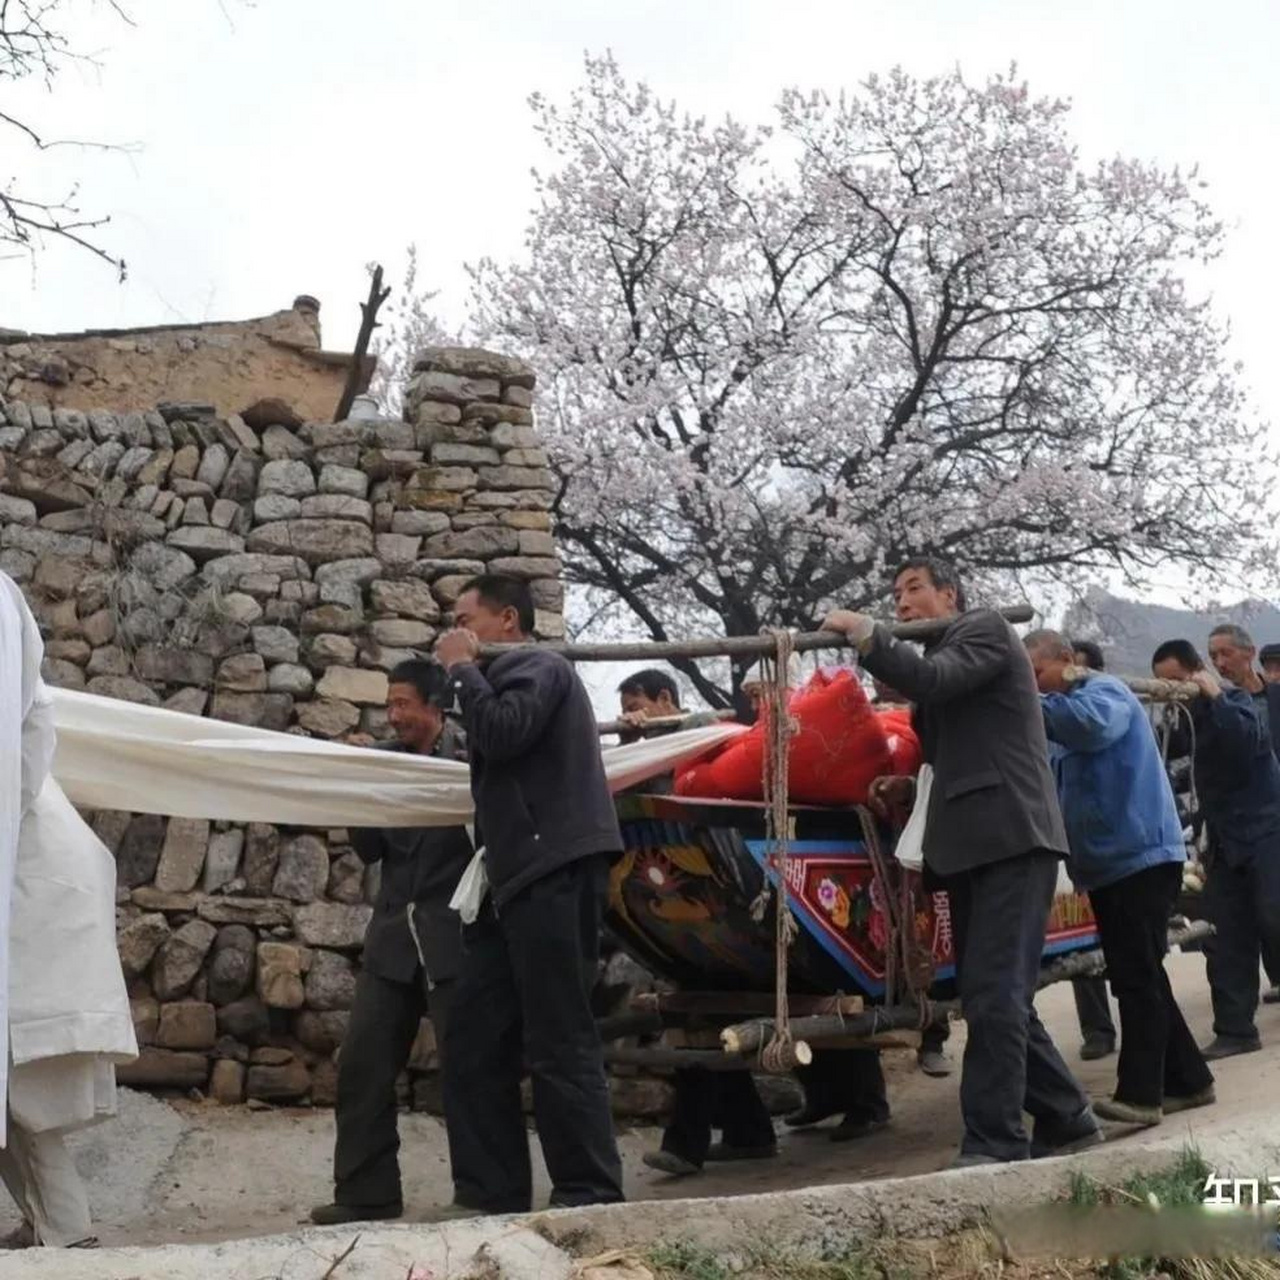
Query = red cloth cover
x=842 y=746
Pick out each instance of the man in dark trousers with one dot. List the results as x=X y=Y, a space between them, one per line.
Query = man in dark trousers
x=1234 y=655
x=1238 y=780
x=704 y=1100
x=412 y=952
x=1127 y=854
x=546 y=821
x=994 y=840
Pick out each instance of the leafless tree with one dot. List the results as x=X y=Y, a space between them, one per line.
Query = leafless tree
x=35 y=44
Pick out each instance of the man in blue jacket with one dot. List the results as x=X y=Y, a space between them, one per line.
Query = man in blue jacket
x=1127 y=854
x=1238 y=780
x=546 y=821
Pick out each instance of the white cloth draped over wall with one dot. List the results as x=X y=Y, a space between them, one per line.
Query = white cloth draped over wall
x=119 y=755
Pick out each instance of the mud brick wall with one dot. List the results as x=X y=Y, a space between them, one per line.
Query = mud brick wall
x=267 y=574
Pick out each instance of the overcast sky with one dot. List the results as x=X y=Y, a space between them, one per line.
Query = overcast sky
x=283 y=144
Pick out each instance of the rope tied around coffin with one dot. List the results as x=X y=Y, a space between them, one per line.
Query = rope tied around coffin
x=908 y=965
x=780 y=727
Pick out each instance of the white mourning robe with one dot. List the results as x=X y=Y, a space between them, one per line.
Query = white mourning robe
x=69 y=1017
x=26 y=751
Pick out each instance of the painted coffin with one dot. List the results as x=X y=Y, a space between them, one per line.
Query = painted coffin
x=680 y=900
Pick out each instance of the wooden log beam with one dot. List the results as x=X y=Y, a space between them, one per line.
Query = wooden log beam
x=750 y=1037
x=734 y=646
x=670 y=1059
x=823 y=1029
x=740 y=1003
x=620 y=1026
x=1164 y=690
x=659 y=723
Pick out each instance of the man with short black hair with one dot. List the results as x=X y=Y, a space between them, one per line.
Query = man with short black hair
x=993 y=840
x=652 y=694
x=546 y=821
x=1238 y=779
x=412 y=952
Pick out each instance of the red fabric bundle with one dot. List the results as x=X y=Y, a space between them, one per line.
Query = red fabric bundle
x=841 y=747
x=904 y=746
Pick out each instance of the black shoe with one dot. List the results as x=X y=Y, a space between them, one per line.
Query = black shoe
x=807 y=1115
x=724 y=1151
x=852 y=1128
x=1078 y=1135
x=1229 y=1047
x=1095 y=1047
x=669 y=1163
x=334 y=1215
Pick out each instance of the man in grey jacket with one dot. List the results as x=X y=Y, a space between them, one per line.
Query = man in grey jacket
x=994 y=839
x=412 y=952
x=546 y=821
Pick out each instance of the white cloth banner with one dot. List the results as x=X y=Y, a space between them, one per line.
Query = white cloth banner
x=910 y=847
x=119 y=755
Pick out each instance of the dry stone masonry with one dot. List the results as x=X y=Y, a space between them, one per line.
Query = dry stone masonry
x=269 y=574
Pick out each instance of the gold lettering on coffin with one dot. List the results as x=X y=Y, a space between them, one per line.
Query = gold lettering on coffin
x=1070 y=911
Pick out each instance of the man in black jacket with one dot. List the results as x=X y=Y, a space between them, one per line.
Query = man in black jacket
x=1233 y=653
x=994 y=839
x=1238 y=780
x=412 y=951
x=546 y=821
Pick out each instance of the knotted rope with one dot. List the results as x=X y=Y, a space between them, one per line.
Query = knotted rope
x=908 y=966
x=775 y=1057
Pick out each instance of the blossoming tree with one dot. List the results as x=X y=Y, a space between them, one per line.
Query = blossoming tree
x=776 y=360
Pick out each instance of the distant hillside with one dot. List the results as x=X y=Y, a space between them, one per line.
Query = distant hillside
x=1129 y=631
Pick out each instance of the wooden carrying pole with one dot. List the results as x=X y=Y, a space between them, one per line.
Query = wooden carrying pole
x=658 y=722
x=735 y=646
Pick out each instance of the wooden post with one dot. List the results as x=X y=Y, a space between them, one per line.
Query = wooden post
x=368 y=323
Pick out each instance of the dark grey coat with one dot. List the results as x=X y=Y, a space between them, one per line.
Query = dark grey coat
x=413 y=923
x=542 y=798
x=977 y=711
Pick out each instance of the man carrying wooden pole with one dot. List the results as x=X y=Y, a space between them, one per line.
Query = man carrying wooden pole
x=993 y=840
x=547 y=824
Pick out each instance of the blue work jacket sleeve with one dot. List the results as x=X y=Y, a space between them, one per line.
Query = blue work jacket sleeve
x=1094 y=715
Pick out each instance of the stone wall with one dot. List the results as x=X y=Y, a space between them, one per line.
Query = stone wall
x=272 y=576
x=231 y=365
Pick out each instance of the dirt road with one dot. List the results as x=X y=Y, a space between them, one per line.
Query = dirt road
x=163 y=1174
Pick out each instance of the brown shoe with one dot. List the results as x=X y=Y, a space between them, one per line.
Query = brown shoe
x=1127 y=1112
x=1205 y=1098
